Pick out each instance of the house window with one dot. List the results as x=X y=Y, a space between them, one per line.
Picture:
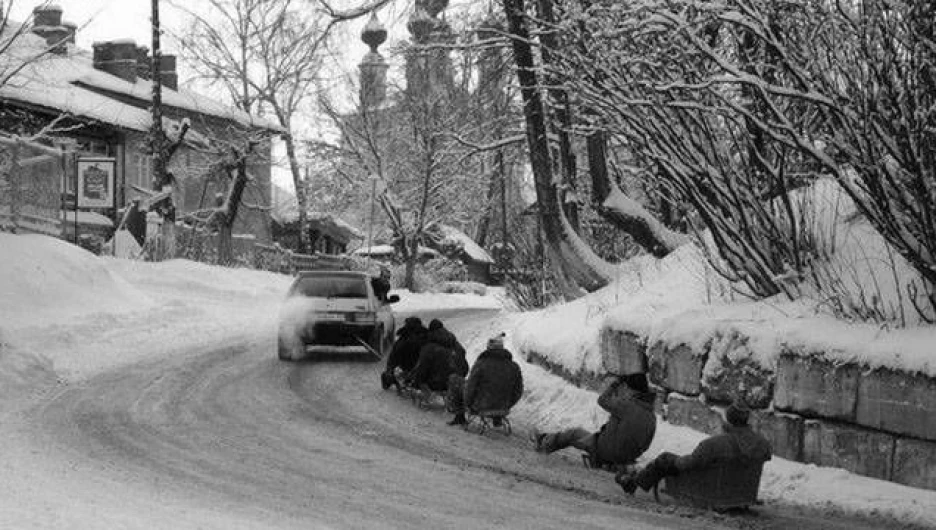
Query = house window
x=143 y=171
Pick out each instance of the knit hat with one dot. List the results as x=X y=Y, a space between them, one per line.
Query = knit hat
x=496 y=342
x=435 y=324
x=637 y=382
x=737 y=414
x=413 y=322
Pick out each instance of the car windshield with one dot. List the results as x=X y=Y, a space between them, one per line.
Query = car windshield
x=331 y=287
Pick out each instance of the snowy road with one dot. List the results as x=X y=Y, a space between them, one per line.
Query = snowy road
x=229 y=437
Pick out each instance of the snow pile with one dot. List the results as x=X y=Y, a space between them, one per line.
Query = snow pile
x=43 y=278
x=647 y=291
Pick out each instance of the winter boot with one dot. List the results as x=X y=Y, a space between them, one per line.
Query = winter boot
x=538 y=438
x=387 y=380
x=627 y=482
x=459 y=419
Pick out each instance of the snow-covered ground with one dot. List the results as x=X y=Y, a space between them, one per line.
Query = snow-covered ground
x=67 y=314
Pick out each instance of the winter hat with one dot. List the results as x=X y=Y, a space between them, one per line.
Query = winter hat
x=737 y=414
x=496 y=342
x=413 y=322
x=637 y=382
x=435 y=324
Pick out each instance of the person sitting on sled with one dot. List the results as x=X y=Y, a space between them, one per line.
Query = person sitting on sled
x=495 y=383
x=624 y=437
x=738 y=442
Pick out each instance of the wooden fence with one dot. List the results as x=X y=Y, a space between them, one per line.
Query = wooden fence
x=279 y=259
x=31 y=177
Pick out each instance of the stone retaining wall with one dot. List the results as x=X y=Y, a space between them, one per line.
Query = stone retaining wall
x=879 y=423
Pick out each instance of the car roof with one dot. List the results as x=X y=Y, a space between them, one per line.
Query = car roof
x=352 y=274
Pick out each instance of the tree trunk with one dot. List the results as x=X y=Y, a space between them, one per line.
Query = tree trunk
x=230 y=210
x=623 y=212
x=562 y=123
x=299 y=185
x=583 y=265
x=409 y=276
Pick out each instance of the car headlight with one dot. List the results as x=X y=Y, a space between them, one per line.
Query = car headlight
x=362 y=317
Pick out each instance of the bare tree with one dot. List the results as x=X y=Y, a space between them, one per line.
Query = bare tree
x=268 y=55
x=734 y=105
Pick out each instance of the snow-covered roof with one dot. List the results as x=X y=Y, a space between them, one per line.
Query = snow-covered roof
x=68 y=83
x=388 y=250
x=284 y=209
x=472 y=249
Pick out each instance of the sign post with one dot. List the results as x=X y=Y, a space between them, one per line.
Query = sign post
x=94 y=185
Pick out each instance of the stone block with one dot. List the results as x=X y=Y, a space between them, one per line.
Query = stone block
x=677 y=368
x=691 y=412
x=622 y=352
x=783 y=431
x=816 y=387
x=915 y=463
x=855 y=449
x=731 y=374
x=897 y=402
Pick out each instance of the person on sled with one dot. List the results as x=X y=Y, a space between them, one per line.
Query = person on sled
x=737 y=442
x=411 y=337
x=624 y=437
x=495 y=383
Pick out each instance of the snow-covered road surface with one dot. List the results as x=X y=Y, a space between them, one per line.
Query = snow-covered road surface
x=233 y=432
x=230 y=437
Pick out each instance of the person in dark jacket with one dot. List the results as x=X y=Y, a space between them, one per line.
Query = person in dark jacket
x=624 y=437
x=381 y=284
x=434 y=366
x=448 y=339
x=738 y=442
x=405 y=353
x=494 y=384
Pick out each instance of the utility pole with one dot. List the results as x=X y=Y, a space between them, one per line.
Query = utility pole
x=156 y=131
x=158 y=142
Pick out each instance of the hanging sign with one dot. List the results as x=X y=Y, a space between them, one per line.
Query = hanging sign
x=96 y=182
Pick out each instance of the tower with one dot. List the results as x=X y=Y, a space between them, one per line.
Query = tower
x=373 y=67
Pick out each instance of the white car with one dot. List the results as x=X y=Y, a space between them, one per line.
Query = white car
x=334 y=311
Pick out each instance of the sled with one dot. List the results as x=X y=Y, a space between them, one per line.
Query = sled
x=725 y=486
x=490 y=420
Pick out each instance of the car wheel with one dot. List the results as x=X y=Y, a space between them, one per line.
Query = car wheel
x=285 y=352
x=377 y=342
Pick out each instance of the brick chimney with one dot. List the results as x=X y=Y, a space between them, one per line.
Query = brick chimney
x=72 y=31
x=167 y=71
x=117 y=57
x=47 y=23
x=143 y=62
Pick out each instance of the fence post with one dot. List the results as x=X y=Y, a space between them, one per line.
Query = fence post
x=15 y=185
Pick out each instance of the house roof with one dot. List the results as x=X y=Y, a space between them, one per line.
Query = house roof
x=284 y=209
x=386 y=251
x=471 y=249
x=70 y=83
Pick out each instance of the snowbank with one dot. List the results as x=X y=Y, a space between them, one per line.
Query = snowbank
x=46 y=279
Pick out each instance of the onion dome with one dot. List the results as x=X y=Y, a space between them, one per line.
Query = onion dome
x=374 y=33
